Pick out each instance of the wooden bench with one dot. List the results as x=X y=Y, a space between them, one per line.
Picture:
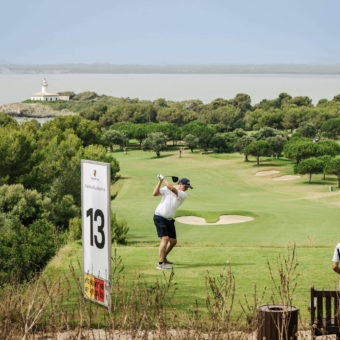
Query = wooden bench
x=324 y=308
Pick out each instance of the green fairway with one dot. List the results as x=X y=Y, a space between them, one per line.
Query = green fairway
x=284 y=212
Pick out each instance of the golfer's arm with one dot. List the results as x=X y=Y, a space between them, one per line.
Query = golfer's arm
x=170 y=187
x=156 y=191
x=335 y=266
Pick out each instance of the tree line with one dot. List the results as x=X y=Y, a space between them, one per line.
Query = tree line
x=40 y=189
x=218 y=125
x=283 y=113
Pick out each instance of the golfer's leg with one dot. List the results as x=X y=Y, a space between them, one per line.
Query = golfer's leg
x=172 y=236
x=171 y=243
x=162 y=248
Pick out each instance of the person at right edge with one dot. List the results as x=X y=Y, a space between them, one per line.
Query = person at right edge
x=172 y=198
x=336 y=259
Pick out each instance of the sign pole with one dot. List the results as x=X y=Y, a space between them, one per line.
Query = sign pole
x=96 y=231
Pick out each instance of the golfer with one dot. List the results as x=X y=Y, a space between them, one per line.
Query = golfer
x=336 y=259
x=172 y=198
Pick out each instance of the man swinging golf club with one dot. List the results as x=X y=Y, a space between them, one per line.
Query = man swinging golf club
x=172 y=198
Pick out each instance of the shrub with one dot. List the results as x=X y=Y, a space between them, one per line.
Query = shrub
x=23 y=204
x=63 y=211
x=6 y=120
x=119 y=230
x=24 y=251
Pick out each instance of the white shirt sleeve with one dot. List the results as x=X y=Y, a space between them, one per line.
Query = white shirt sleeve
x=182 y=195
x=336 y=257
x=163 y=190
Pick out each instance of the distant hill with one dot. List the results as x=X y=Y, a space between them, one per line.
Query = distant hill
x=182 y=69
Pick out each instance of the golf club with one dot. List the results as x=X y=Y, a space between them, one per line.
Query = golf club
x=174 y=178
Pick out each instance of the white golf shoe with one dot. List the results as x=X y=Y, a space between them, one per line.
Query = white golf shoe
x=163 y=266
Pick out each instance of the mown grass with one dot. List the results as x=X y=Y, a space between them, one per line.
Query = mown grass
x=193 y=264
x=287 y=211
x=284 y=213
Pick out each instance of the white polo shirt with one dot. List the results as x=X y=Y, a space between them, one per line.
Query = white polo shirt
x=169 y=202
x=336 y=256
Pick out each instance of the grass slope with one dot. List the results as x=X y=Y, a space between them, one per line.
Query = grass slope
x=248 y=265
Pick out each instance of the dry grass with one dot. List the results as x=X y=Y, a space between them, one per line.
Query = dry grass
x=45 y=310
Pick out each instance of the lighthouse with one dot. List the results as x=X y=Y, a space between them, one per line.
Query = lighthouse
x=46 y=96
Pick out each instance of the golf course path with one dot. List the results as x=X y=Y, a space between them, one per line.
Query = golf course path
x=224 y=219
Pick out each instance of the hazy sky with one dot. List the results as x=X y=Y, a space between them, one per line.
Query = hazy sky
x=170 y=31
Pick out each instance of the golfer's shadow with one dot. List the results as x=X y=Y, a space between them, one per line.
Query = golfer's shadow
x=198 y=265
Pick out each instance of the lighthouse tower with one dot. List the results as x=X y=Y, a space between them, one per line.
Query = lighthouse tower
x=44 y=86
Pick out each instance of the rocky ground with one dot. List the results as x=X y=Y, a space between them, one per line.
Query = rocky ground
x=32 y=110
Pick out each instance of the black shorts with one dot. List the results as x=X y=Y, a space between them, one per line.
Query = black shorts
x=164 y=226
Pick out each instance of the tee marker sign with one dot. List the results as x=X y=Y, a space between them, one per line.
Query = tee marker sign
x=96 y=227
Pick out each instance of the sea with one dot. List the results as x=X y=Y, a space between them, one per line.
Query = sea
x=176 y=87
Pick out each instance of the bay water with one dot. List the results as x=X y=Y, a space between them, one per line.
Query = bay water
x=176 y=87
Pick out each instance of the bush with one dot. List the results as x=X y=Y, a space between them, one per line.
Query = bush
x=6 y=120
x=23 y=204
x=63 y=211
x=24 y=251
x=119 y=230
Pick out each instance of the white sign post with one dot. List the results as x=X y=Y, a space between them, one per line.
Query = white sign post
x=96 y=225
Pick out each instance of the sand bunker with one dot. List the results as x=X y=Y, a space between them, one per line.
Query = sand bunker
x=286 y=178
x=224 y=219
x=267 y=173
